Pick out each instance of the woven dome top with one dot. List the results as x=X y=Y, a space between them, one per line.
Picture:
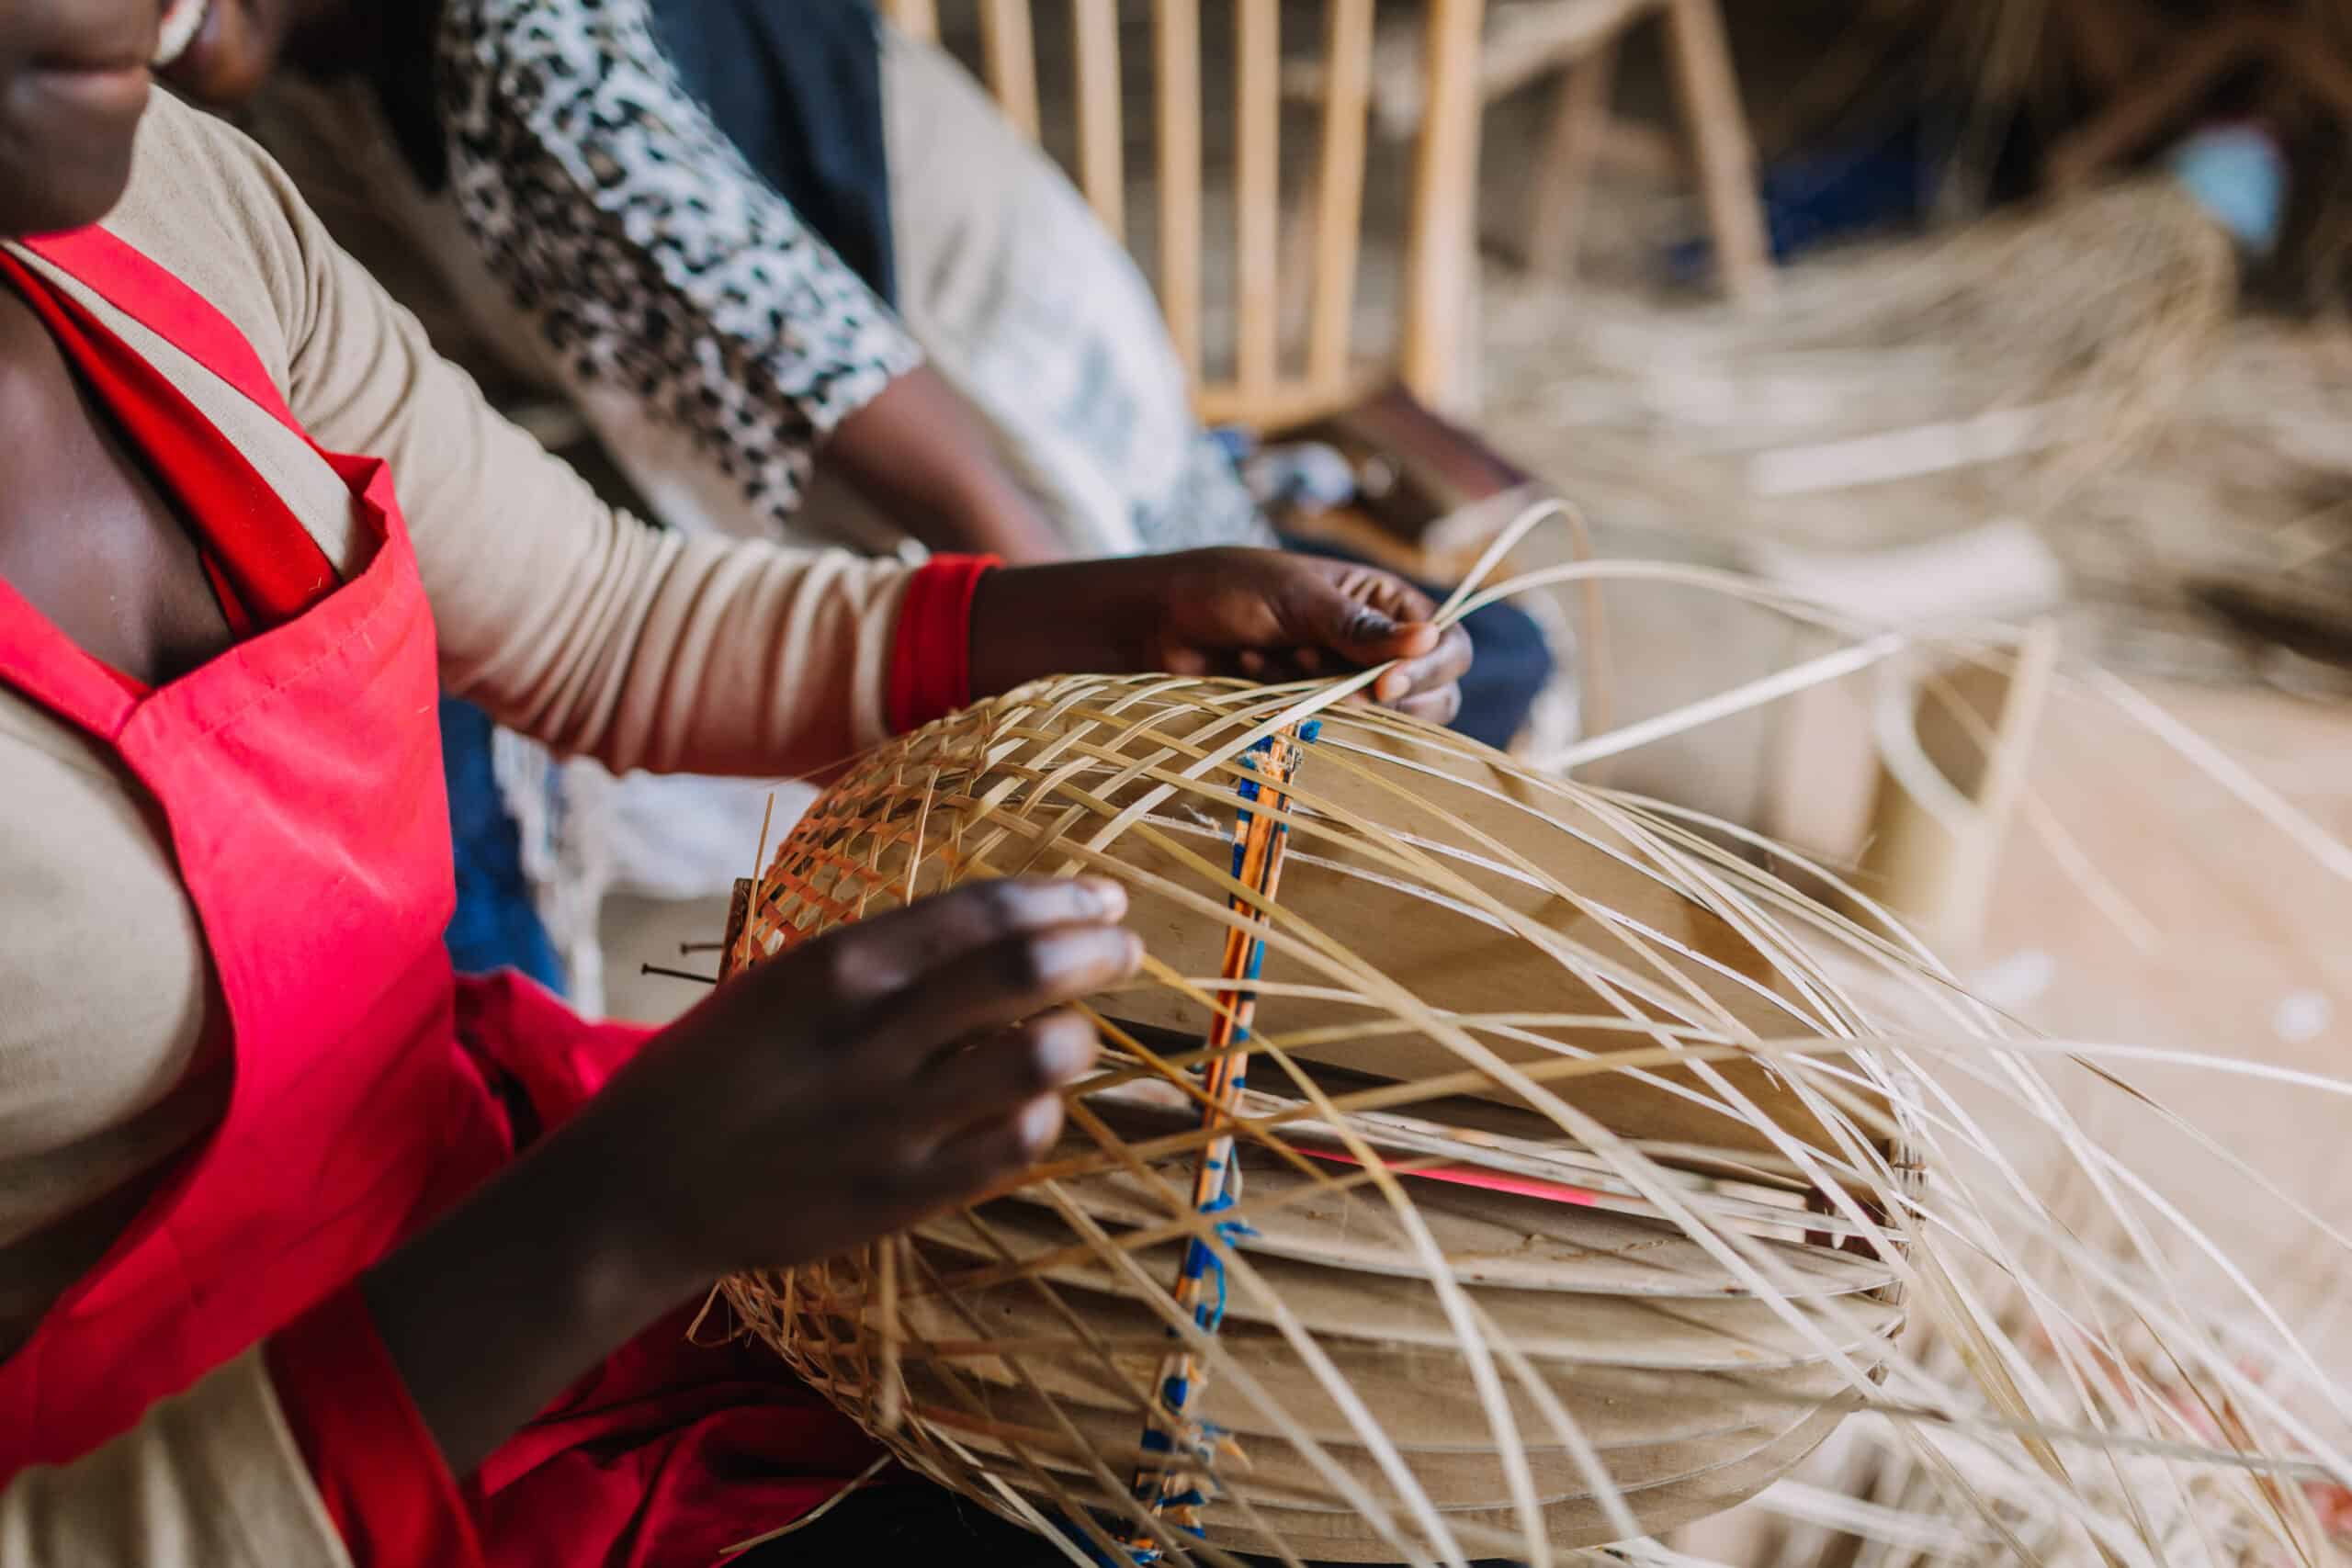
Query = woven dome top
x=1478 y=1164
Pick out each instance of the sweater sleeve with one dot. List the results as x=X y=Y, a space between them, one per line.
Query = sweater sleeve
x=567 y=619
x=211 y=1478
x=643 y=248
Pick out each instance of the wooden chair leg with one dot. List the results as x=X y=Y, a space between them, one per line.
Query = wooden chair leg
x=1720 y=140
x=1562 y=176
x=2177 y=82
x=1442 y=239
x=2109 y=40
x=2308 y=57
x=1301 y=225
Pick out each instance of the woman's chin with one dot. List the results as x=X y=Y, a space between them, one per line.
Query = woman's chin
x=66 y=136
x=75 y=188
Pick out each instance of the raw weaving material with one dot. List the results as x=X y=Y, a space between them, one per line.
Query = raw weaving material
x=2097 y=314
x=1589 y=1176
x=1552 y=1357
x=2087 y=359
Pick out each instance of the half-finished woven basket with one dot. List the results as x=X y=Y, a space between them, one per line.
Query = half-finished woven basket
x=1475 y=1164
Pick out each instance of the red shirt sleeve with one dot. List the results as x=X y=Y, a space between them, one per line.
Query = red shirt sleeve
x=376 y=1467
x=931 y=658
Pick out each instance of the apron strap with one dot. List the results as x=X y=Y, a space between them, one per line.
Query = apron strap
x=263 y=566
x=140 y=288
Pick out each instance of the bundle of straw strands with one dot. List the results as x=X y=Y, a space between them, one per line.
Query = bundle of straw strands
x=1487 y=1166
x=2093 y=315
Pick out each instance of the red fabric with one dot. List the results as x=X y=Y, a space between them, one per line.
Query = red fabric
x=931 y=657
x=298 y=778
x=379 y=1470
x=707 y=1440
x=557 y=1059
x=265 y=567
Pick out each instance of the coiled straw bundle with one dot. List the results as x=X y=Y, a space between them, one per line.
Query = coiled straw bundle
x=1485 y=1165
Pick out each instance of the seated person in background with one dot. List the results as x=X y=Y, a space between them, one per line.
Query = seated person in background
x=802 y=279
x=311 y=1254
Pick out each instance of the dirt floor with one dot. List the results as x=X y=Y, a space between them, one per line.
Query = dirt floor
x=2218 y=931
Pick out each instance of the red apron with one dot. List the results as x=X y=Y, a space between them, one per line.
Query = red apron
x=300 y=777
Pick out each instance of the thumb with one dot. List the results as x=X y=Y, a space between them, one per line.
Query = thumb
x=1366 y=630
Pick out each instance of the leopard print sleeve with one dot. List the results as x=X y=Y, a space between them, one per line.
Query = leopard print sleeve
x=645 y=249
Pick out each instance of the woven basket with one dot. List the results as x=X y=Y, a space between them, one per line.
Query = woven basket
x=1475 y=1166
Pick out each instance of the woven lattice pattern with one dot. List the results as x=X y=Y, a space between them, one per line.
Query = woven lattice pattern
x=1524 y=1244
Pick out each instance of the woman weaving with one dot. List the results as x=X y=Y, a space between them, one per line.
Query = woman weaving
x=309 y=1254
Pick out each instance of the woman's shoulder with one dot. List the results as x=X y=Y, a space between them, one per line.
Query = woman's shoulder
x=210 y=208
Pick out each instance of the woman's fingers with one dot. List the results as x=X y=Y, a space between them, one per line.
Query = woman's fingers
x=1002 y=1071
x=988 y=1152
x=1365 y=615
x=1437 y=707
x=988 y=986
x=1444 y=666
x=1374 y=618
x=875 y=959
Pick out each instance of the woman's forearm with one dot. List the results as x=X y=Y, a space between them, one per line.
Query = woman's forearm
x=493 y=1311
x=828 y=1097
x=916 y=453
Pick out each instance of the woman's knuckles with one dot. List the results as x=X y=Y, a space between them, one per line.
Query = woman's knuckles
x=1067 y=960
x=1036 y=1127
x=984 y=911
x=1062 y=1046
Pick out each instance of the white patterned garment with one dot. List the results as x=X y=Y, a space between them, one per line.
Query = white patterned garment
x=654 y=261
x=712 y=338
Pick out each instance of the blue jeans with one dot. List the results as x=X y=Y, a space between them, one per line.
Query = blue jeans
x=496 y=925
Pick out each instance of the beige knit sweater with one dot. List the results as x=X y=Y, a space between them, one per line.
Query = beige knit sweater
x=567 y=620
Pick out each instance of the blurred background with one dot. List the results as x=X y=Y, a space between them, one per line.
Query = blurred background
x=1939 y=310
x=2017 y=327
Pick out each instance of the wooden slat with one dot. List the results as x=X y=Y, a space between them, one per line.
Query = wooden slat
x=2164 y=89
x=1710 y=92
x=916 y=18
x=1284 y=404
x=1441 y=248
x=2104 y=41
x=1338 y=186
x=2304 y=54
x=1257 y=188
x=1644 y=149
x=1176 y=45
x=1101 y=139
x=1526 y=42
x=1008 y=57
x=1563 y=172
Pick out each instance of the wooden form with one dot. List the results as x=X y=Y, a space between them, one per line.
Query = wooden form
x=1576 y=41
x=1262 y=388
x=1952 y=748
x=1451 y=1307
x=1937 y=742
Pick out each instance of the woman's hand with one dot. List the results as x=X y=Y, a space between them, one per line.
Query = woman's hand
x=830 y=1097
x=1265 y=615
x=861 y=1081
